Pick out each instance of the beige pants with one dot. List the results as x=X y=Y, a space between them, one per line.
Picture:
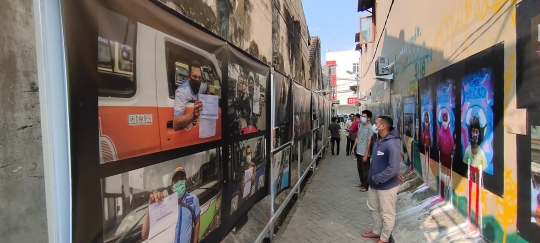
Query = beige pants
x=382 y=204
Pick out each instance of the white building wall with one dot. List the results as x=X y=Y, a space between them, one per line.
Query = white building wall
x=344 y=62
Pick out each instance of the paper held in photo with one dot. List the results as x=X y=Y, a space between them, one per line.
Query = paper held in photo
x=163 y=215
x=210 y=106
x=256 y=99
x=207 y=128
x=247 y=179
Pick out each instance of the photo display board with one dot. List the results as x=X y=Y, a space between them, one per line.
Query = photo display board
x=528 y=146
x=461 y=110
x=282 y=94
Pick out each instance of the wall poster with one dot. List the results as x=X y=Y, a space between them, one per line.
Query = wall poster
x=282 y=130
x=247 y=170
x=428 y=143
x=247 y=82
x=148 y=89
x=301 y=110
x=446 y=132
x=281 y=176
x=528 y=156
x=482 y=111
x=129 y=199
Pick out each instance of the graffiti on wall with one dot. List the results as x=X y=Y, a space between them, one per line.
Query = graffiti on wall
x=414 y=56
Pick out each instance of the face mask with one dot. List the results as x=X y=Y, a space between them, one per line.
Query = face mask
x=363 y=119
x=195 y=85
x=475 y=138
x=374 y=128
x=248 y=159
x=180 y=188
x=445 y=125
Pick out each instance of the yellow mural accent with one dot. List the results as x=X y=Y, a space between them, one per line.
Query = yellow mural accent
x=507 y=206
x=509 y=78
x=456 y=19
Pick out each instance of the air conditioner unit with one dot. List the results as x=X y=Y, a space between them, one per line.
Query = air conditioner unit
x=382 y=66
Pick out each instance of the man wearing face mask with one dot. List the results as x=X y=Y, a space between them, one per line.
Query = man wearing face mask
x=384 y=180
x=187 y=226
x=361 y=147
x=246 y=165
x=474 y=153
x=186 y=93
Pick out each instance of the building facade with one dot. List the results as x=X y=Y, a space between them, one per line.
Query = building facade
x=344 y=67
x=469 y=66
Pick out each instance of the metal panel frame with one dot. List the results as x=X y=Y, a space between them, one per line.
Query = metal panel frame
x=51 y=66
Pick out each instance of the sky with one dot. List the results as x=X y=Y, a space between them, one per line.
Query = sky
x=335 y=22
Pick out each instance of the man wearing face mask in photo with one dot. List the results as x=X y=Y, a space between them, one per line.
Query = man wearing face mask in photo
x=246 y=98
x=474 y=153
x=246 y=165
x=189 y=92
x=187 y=226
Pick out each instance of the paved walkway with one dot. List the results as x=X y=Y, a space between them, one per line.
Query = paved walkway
x=332 y=209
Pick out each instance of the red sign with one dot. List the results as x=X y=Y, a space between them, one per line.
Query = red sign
x=333 y=82
x=352 y=101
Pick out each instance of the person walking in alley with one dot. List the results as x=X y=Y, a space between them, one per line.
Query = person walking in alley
x=353 y=132
x=361 y=147
x=333 y=135
x=384 y=180
x=348 y=124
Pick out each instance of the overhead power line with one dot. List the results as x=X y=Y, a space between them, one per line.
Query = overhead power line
x=379 y=41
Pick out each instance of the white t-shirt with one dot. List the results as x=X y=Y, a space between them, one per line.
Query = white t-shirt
x=184 y=94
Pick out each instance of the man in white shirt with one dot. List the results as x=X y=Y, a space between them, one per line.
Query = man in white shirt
x=186 y=93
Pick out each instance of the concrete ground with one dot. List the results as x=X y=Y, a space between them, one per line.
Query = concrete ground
x=332 y=209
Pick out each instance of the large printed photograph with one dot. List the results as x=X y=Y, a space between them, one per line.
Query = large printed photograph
x=281 y=176
x=477 y=99
x=446 y=133
x=174 y=201
x=301 y=110
x=246 y=99
x=527 y=90
x=480 y=155
x=247 y=170
x=154 y=86
x=409 y=116
x=281 y=132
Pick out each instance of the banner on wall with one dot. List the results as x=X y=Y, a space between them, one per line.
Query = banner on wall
x=247 y=92
x=166 y=108
x=528 y=156
x=281 y=132
x=247 y=169
x=446 y=133
x=148 y=125
x=131 y=199
x=409 y=116
x=301 y=110
x=427 y=118
x=280 y=170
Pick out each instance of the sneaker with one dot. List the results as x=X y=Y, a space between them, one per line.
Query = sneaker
x=339 y=155
x=333 y=156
